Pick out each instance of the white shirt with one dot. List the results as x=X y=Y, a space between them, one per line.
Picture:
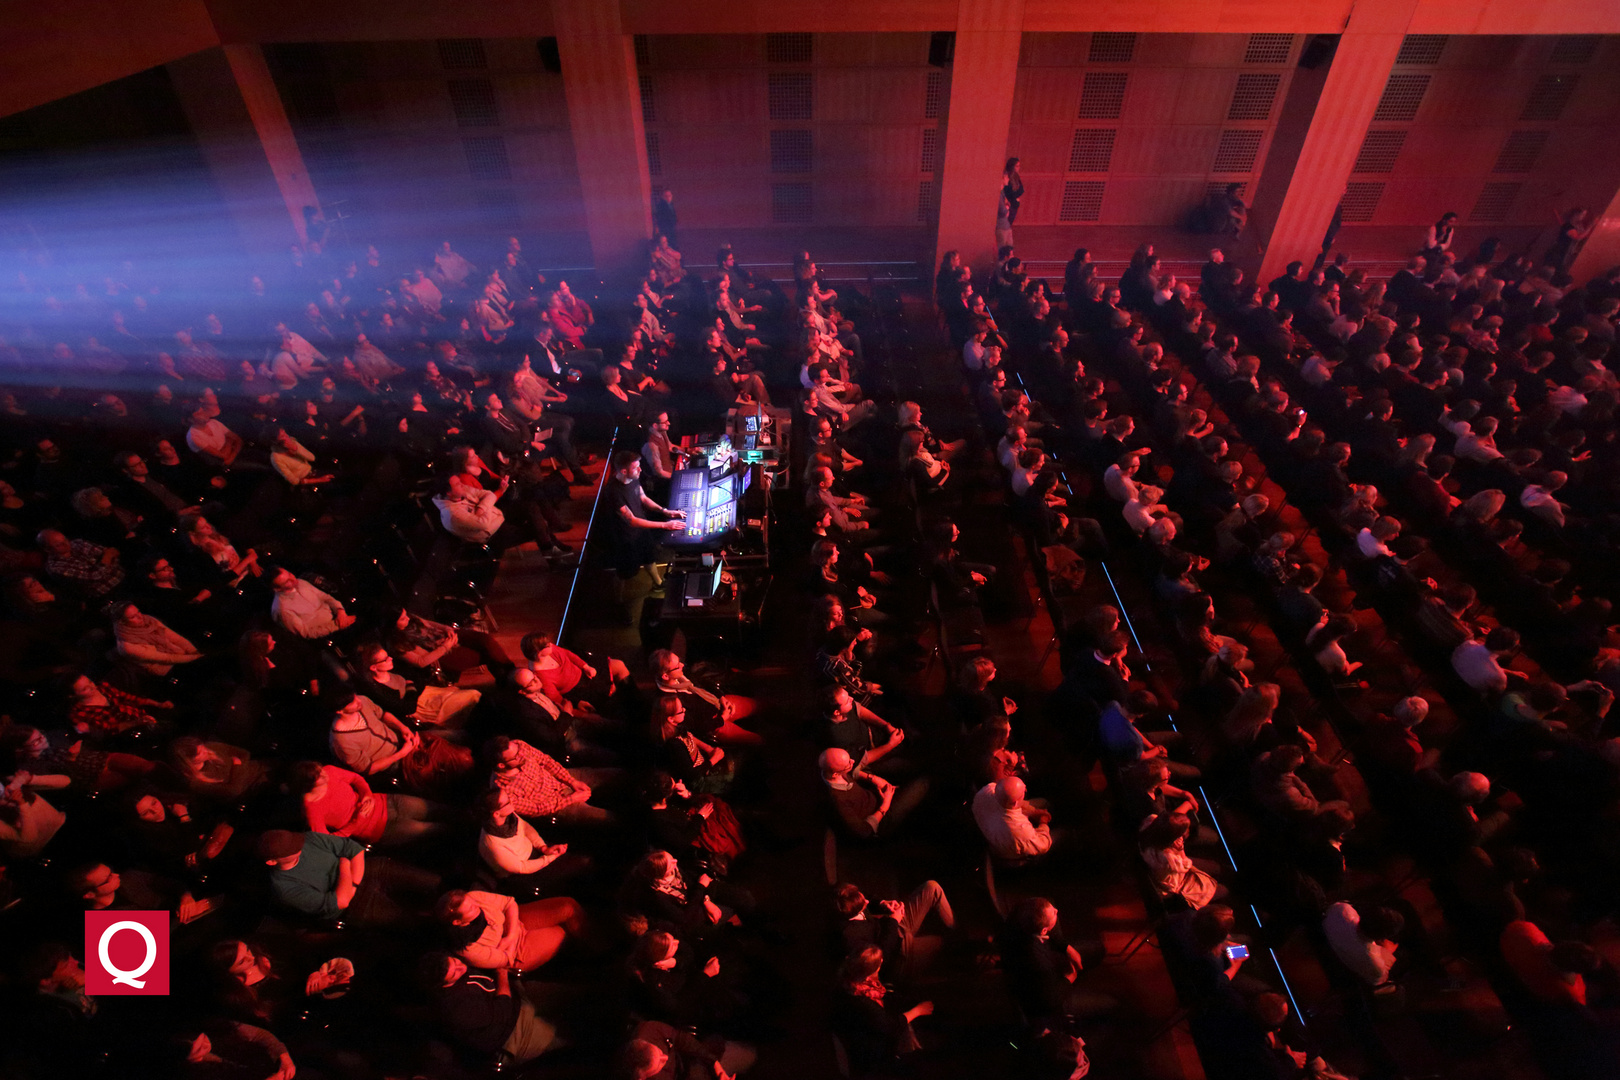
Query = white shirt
x=1541 y=502
x=513 y=854
x=1316 y=371
x=1476 y=665
x=452 y=267
x=973 y=354
x=1370 y=960
x=210 y=438
x=1120 y=487
x=1477 y=448
x=1370 y=546
x=1568 y=399
x=1008 y=832
x=305 y=353
x=283 y=368
x=306 y=611
x=474 y=520
x=1138 y=515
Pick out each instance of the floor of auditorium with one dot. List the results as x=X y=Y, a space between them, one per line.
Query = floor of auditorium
x=1457 y=1032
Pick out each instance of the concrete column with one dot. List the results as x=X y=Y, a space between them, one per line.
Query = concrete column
x=1361 y=66
x=240 y=124
x=1602 y=248
x=983 y=77
x=610 y=141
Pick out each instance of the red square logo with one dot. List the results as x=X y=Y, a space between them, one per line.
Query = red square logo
x=126 y=952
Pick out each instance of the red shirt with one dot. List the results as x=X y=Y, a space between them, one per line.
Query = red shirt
x=564 y=677
x=339 y=812
x=1528 y=952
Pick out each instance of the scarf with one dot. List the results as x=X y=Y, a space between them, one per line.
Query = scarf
x=688 y=740
x=684 y=685
x=673 y=887
x=503 y=831
x=154 y=635
x=869 y=988
x=421 y=634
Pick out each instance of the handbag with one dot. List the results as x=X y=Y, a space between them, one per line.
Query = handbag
x=1065 y=569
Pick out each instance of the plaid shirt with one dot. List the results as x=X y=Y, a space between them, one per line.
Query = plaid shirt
x=538 y=786
x=83 y=566
x=121 y=711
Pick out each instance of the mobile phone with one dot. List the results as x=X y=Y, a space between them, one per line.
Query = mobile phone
x=1237 y=952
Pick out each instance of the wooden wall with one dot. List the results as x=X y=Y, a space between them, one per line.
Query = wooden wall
x=819 y=129
x=1185 y=99
x=467 y=135
x=1501 y=129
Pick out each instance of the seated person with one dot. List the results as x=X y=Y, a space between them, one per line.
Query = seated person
x=867 y=805
x=230 y=1049
x=874 y=1030
x=427 y=705
x=891 y=925
x=217 y=773
x=98 y=887
x=1042 y=968
x=1162 y=843
x=660 y=1051
x=302 y=609
x=702 y=767
x=1015 y=829
x=481 y=1012
x=711 y=715
x=327 y=879
x=699 y=825
x=1364 y=941
x=540 y=787
x=489 y=931
x=1553 y=973
x=512 y=848
x=862 y=733
x=101 y=710
x=341 y=803
x=681 y=899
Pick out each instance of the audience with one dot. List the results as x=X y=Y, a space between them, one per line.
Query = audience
x=250 y=687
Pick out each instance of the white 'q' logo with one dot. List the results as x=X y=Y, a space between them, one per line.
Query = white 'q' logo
x=128 y=978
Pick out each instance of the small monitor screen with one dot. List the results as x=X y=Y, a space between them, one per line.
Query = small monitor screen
x=751 y=422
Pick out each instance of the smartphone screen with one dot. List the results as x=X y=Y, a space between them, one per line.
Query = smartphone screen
x=1237 y=952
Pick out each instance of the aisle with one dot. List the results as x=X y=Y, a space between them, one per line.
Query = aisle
x=973 y=1032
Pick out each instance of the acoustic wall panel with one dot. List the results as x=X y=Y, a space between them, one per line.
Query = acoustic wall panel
x=1508 y=131
x=823 y=129
x=1047 y=95
x=1191 y=110
x=463 y=134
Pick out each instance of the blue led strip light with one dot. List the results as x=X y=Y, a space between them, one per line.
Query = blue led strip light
x=607 y=467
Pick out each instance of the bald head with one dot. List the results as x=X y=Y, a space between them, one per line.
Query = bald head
x=835 y=762
x=1412 y=711
x=1471 y=787
x=1010 y=792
